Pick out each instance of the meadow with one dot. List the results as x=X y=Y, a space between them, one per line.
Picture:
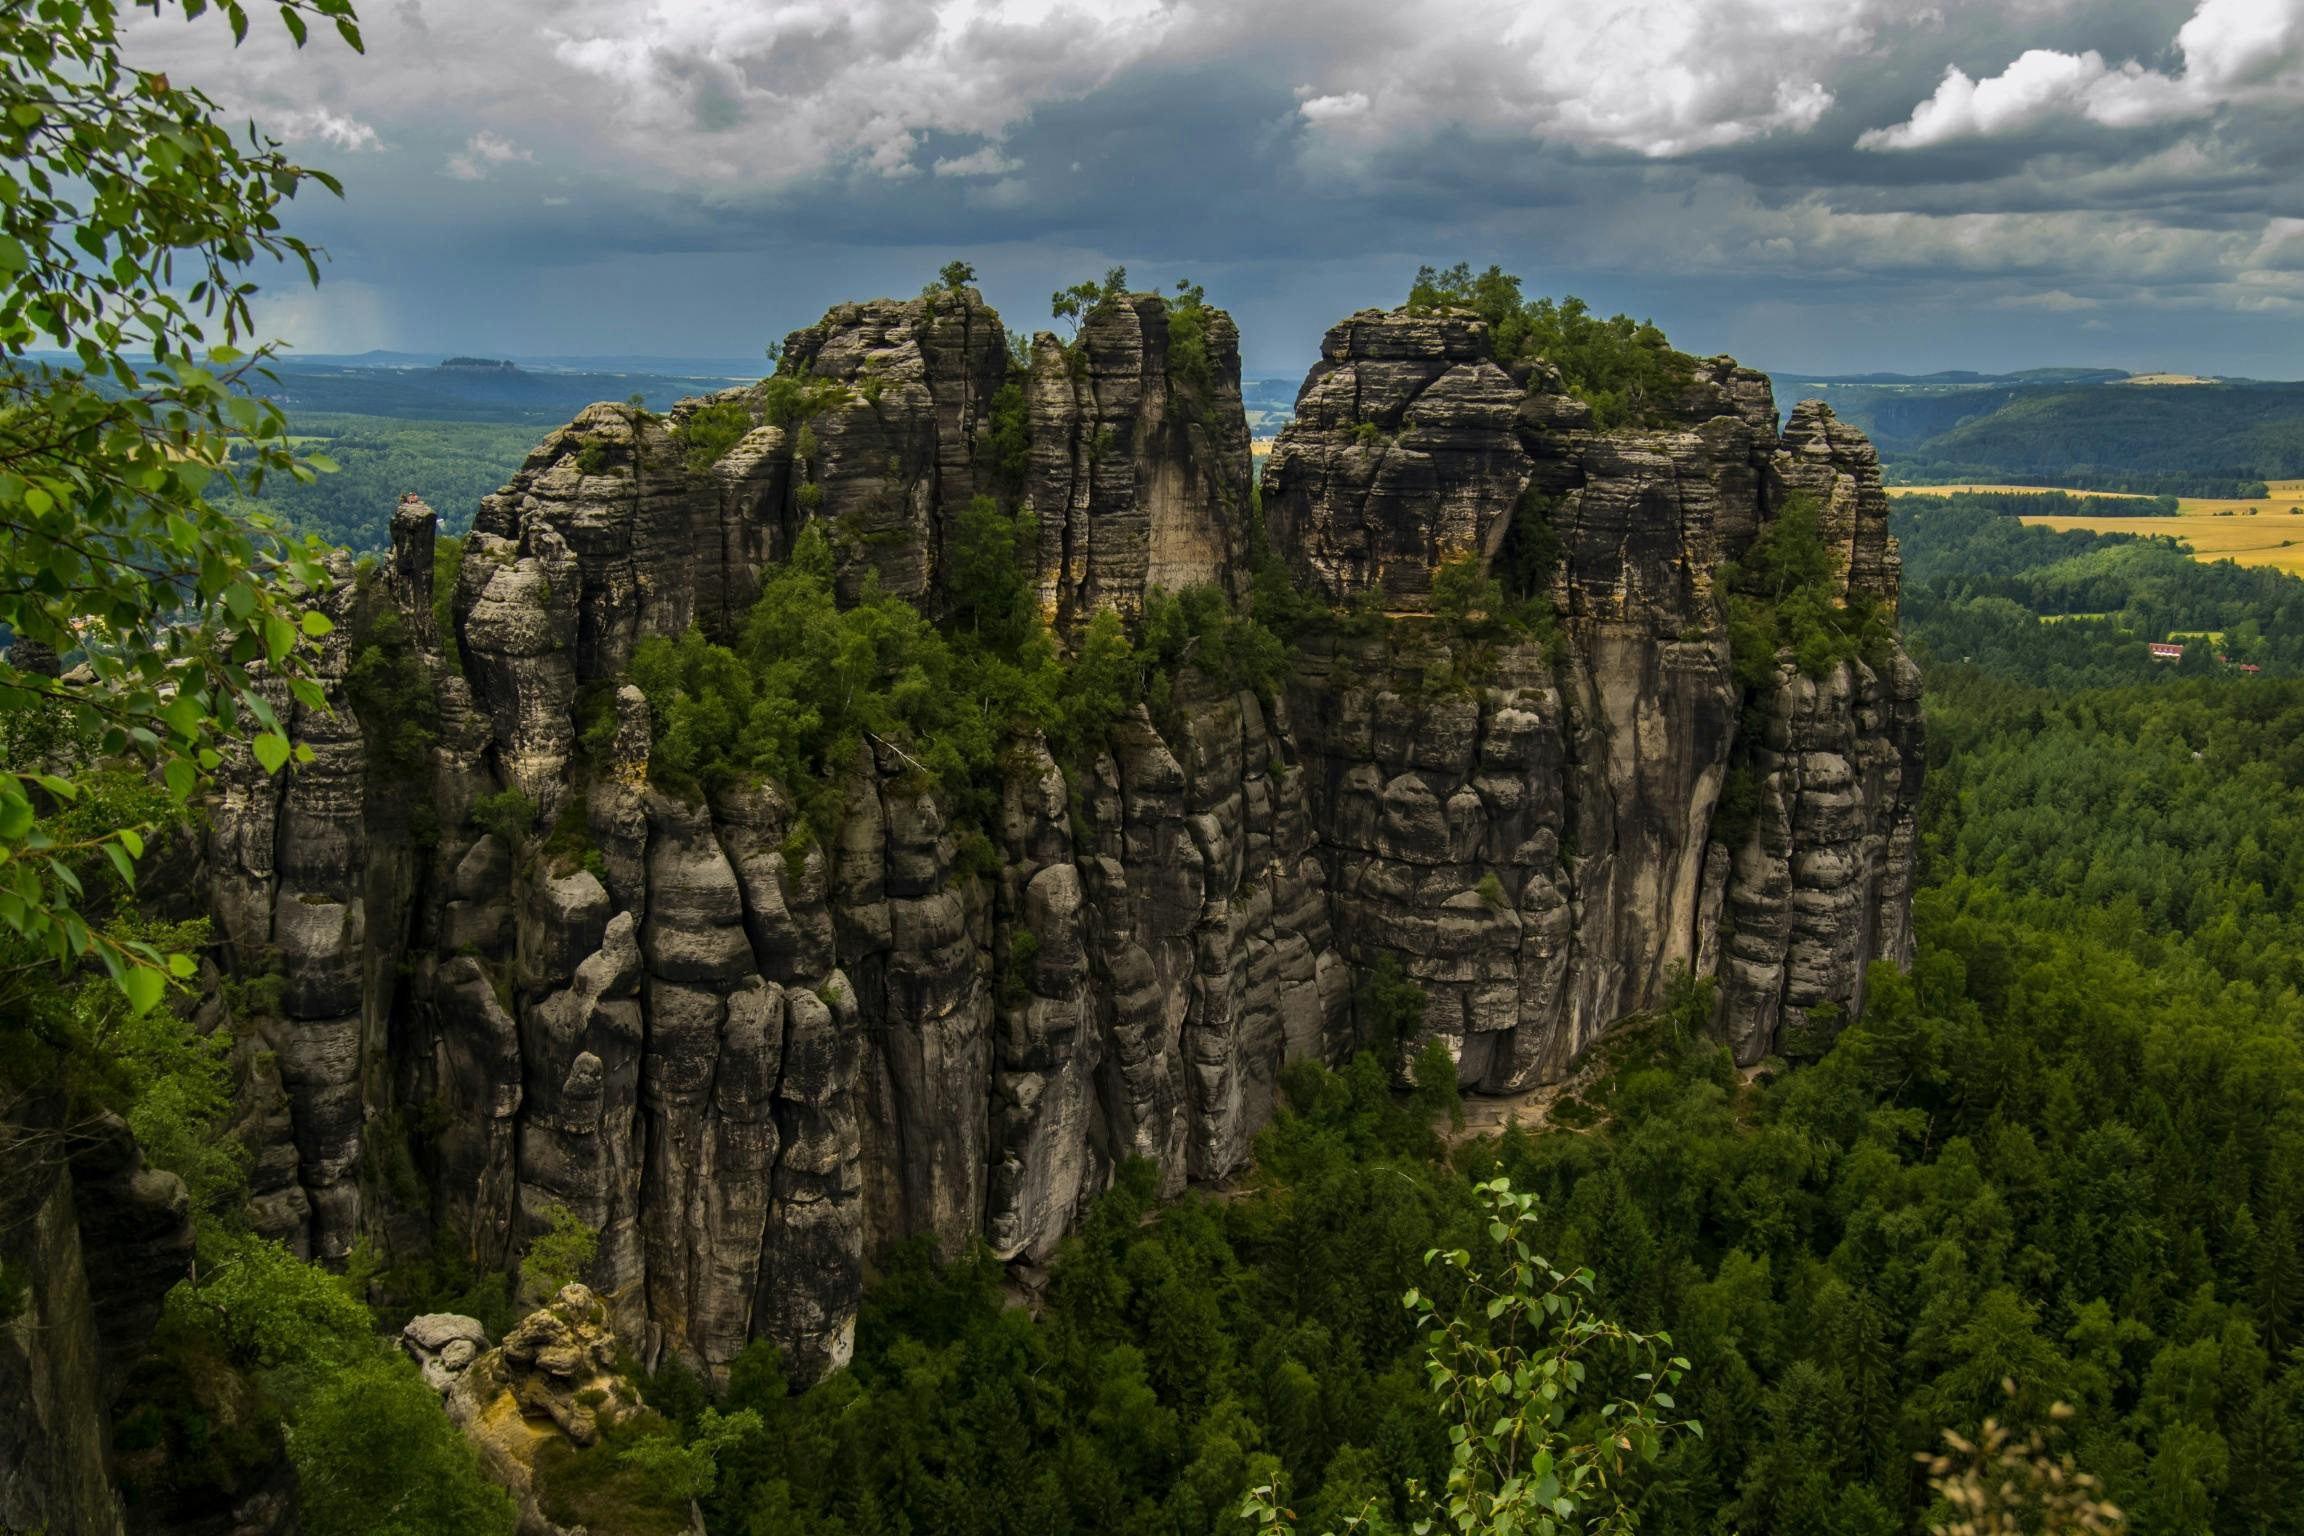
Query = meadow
x=2266 y=532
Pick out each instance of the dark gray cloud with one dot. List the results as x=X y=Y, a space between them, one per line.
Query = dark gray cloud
x=1828 y=184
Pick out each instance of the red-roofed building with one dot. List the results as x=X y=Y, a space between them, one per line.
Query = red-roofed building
x=2165 y=650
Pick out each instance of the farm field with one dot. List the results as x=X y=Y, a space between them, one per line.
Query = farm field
x=2269 y=532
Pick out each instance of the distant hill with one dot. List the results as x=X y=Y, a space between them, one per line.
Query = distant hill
x=472 y=389
x=1958 y=378
x=2091 y=429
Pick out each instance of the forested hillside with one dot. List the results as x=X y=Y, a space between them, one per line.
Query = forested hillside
x=2177 y=439
x=451 y=464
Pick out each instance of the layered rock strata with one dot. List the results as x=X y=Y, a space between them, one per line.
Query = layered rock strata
x=750 y=1056
x=1582 y=787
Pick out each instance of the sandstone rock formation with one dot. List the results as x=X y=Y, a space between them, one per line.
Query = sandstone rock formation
x=90 y=1242
x=749 y=1056
x=555 y=1376
x=1585 y=787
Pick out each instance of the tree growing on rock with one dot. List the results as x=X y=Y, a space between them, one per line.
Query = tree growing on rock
x=560 y=1255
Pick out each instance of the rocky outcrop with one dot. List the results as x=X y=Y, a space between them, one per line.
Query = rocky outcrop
x=1139 y=457
x=1582 y=785
x=90 y=1242
x=555 y=1378
x=750 y=1052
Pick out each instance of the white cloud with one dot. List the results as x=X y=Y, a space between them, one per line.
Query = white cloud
x=2281 y=249
x=988 y=161
x=2055 y=300
x=737 y=91
x=1659 y=77
x=1329 y=109
x=483 y=152
x=2234 y=51
x=345 y=133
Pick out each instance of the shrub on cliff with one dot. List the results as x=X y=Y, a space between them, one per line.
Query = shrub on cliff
x=807 y=682
x=1785 y=595
x=711 y=430
x=1623 y=368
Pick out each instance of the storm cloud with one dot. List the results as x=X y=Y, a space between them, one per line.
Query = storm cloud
x=1813 y=184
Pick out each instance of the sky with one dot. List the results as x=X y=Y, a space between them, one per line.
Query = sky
x=1812 y=185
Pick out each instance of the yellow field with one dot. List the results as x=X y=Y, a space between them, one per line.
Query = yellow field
x=2268 y=532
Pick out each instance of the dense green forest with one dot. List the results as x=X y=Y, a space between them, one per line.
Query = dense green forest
x=451 y=464
x=2076 y=609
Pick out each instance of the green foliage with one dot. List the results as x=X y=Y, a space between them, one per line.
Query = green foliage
x=677 y=1469
x=558 y=1256
x=443 y=1280
x=1007 y=437
x=447 y=569
x=128 y=217
x=808 y=683
x=791 y=399
x=1188 y=362
x=266 y=1308
x=1387 y=1007
x=629 y=1481
x=990 y=577
x=1016 y=980
x=1199 y=626
x=1785 y=595
x=508 y=815
x=1471 y=601
x=1531 y=553
x=955 y=275
x=709 y=431
x=1437 y=1091
x=1509 y=1357
x=375 y=1456
x=390 y=692
x=805 y=686
x=1623 y=368
x=1087 y=298
x=592 y=456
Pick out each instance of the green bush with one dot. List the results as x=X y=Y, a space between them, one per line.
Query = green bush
x=1623 y=368
x=508 y=814
x=1785 y=595
x=447 y=568
x=788 y=399
x=375 y=1456
x=390 y=692
x=1007 y=444
x=1387 y=1007
x=592 y=456
x=560 y=1255
x=1188 y=364
x=710 y=431
x=1016 y=981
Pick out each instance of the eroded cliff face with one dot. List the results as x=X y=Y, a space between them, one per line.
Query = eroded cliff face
x=750 y=1056
x=1585 y=784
